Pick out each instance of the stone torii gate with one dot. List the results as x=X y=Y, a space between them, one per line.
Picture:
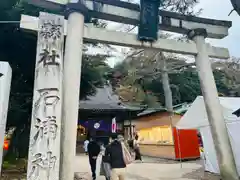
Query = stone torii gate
x=57 y=81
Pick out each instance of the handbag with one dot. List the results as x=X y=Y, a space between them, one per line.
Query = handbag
x=98 y=165
x=107 y=170
x=126 y=155
x=106 y=157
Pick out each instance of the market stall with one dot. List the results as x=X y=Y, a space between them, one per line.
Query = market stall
x=160 y=138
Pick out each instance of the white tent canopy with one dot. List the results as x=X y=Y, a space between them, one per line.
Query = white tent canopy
x=196 y=118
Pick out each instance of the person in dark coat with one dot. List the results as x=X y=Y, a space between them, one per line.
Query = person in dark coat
x=106 y=162
x=93 y=151
x=115 y=154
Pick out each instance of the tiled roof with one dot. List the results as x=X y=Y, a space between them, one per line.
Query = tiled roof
x=178 y=109
x=105 y=99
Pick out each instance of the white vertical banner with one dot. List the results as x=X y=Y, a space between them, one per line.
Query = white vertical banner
x=114 y=125
x=5 y=86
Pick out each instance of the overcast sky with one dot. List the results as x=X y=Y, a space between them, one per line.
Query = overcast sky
x=219 y=9
x=212 y=9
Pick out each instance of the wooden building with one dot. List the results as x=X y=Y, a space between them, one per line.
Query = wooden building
x=159 y=137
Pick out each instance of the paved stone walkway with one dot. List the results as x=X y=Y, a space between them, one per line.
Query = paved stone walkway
x=151 y=169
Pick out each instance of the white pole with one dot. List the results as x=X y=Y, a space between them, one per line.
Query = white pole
x=71 y=91
x=216 y=119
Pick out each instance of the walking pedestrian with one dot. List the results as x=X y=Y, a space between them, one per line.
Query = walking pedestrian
x=117 y=153
x=93 y=151
x=106 y=167
x=138 y=155
x=85 y=146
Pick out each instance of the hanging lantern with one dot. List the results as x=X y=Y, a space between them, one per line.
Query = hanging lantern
x=149 y=20
x=6 y=145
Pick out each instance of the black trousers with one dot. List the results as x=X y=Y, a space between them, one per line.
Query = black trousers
x=93 y=163
x=138 y=154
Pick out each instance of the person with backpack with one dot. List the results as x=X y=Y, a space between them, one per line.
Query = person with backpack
x=119 y=158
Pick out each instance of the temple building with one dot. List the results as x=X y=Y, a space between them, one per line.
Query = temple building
x=96 y=115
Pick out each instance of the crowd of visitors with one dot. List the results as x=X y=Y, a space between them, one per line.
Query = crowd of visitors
x=116 y=155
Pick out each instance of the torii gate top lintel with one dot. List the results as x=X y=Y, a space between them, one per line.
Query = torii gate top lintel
x=128 y=13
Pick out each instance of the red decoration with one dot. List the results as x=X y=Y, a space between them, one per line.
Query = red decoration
x=6 y=145
x=114 y=126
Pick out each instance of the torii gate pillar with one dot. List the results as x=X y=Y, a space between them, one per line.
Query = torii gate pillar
x=71 y=91
x=220 y=137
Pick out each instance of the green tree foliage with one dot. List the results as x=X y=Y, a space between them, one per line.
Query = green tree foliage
x=181 y=6
x=184 y=81
x=94 y=74
x=231 y=69
x=130 y=86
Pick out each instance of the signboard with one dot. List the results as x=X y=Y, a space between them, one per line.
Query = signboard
x=149 y=20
